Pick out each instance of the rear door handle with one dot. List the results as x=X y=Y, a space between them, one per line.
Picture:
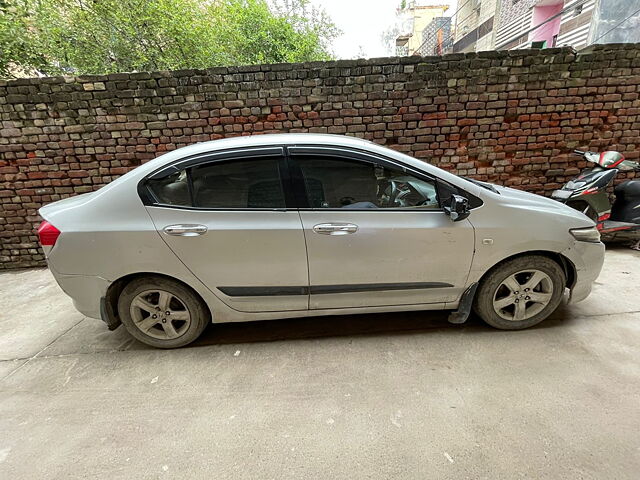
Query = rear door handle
x=335 y=228
x=185 y=230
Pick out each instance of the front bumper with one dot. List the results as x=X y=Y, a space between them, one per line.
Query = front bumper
x=85 y=291
x=588 y=259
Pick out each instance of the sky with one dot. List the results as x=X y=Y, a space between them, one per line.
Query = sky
x=363 y=22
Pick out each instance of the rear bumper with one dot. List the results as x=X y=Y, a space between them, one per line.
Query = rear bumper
x=85 y=291
x=588 y=259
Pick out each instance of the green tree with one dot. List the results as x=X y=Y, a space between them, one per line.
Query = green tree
x=49 y=37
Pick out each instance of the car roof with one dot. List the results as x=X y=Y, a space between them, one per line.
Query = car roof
x=284 y=139
x=273 y=139
x=289 y=139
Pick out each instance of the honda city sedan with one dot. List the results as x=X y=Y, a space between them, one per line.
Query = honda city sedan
x=299 y=225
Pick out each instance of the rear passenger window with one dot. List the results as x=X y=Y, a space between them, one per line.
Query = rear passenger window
x=253 y=183
x=172 y=190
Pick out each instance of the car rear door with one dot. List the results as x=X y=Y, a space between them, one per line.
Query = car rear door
x=376 y=234
x=227 y=217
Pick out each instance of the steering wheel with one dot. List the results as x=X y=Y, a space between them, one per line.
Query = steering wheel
x=395 y=192
x=405 y=197
x=400 y=197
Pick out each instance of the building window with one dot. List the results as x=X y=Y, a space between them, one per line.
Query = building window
x=402 y=46
x=578 y=10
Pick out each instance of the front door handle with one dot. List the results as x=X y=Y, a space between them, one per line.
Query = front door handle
x=335 y=228
x=185 y=230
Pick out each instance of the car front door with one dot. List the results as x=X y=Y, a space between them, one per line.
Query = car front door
x=375 y=232
x=227 y=217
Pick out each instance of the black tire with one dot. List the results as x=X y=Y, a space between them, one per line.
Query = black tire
x=187 y=300
x=488 y=291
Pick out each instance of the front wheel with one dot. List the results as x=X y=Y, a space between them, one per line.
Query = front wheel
x=520 y=293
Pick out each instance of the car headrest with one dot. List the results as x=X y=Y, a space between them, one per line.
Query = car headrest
x=176 y=193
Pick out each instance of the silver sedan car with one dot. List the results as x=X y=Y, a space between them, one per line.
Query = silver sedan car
x=298 y=225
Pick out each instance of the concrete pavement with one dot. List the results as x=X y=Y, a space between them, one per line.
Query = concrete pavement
x=378 y=396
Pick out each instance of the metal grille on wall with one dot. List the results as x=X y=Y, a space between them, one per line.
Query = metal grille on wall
x=508 y=34
x=575 y=23
x=435 y=35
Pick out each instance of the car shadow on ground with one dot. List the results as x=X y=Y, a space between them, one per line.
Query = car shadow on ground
x=325 y=326
x=397 y=323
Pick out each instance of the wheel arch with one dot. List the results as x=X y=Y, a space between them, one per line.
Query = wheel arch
x=585 y=207
x=567 y=265
x=109 y=304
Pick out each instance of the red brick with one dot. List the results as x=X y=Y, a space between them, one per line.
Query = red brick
x=517 y=133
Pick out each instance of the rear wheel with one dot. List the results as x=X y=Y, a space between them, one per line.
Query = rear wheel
x=161 y=312
x=520 y=293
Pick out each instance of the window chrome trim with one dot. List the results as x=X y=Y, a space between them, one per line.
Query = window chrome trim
x=228 y=209
x=375 y=210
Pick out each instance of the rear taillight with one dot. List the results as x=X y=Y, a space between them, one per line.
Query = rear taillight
x=48 y=234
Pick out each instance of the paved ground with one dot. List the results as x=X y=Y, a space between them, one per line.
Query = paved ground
x=376 y=396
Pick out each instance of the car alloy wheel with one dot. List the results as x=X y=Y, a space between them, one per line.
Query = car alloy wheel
x=160 y=314
x=523 y=295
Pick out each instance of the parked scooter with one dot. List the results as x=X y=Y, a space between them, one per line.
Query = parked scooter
x=588 y=194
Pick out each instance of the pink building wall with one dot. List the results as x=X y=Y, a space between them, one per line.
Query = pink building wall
x=548 y=30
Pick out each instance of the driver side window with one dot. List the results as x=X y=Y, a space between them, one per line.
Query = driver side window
x=358 y=185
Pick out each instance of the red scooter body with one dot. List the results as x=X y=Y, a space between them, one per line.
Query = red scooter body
x=588 y=194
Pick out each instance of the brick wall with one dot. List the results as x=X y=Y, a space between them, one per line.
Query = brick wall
x=507 y=117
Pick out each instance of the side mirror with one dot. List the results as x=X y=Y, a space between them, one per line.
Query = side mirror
x=458 y=208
